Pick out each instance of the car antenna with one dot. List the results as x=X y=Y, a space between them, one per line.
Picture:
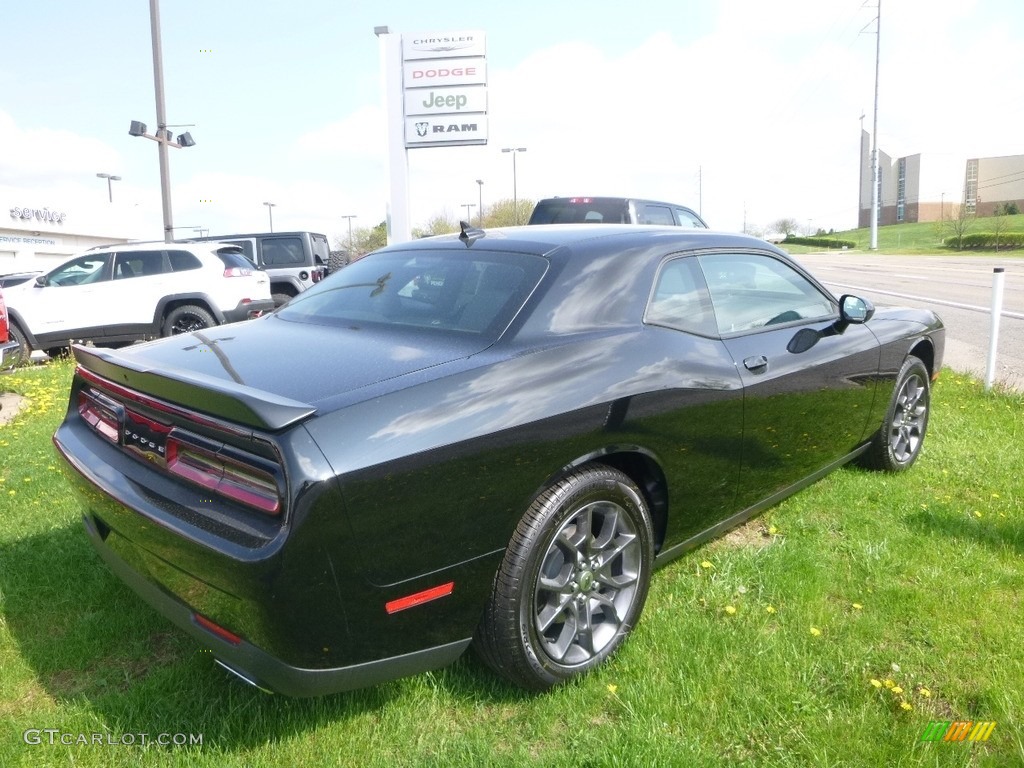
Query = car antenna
x=470 y=235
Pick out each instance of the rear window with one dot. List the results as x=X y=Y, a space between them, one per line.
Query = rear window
x=580 y=210
x=233 y=258
x=475 y=293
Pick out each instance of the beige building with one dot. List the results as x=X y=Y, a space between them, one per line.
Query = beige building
x=932 y=186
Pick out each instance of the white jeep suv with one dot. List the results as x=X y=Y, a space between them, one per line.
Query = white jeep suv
x=123 y=293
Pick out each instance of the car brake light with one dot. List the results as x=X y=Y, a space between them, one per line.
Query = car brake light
x=104 y=417
x=581 y=200
x=237 y=272
x=236 y=477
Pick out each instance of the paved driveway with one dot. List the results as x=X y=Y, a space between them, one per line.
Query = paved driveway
x=958 y=288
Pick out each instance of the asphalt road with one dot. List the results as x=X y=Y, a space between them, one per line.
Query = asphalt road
x=958 y=288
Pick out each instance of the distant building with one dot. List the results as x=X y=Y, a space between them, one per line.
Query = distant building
x=928 y=187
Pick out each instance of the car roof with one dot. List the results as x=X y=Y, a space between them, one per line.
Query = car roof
x=542 y=239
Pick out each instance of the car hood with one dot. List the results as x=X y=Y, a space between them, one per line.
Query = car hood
x=281 y=371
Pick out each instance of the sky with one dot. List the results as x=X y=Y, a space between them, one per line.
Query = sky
x=746 y=110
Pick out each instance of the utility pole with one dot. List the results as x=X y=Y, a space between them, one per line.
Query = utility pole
x=875 y=170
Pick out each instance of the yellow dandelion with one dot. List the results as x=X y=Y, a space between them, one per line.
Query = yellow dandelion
x=706 y=564
x=12 y=492
x=730 y=609
x=612 y=688
x=995 y=495
x=815 y=631
x=896 y=690
x=772 y=530
x=977 y=513
x=876 y=683
x=925 y=692
x=888 y=683
x=770 y=609
x=906 y=706
x=857 y=606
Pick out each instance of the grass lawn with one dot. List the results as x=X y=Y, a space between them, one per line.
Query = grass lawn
x=828 y=632
x=922 y=237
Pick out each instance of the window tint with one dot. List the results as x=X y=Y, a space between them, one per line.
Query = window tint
x=655 y=214
x=138 y=264
x=82 y=271
x=183 y=260
x=282 y=252
x=476 y=293
x=247 y=248
x=680 y=299
x=752 y=291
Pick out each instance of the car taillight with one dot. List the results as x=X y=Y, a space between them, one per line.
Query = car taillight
x=101 y=414
x=318 y=274
x=237 y=272
x=581 y=200
x=238 y=476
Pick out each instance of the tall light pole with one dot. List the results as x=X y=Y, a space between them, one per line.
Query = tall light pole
x=467 y=206
x=515 y=192
x=163 y=135
x=270 y=210
x=875 y=170
x=480 y=204
x=110 y=188
x=349 y=217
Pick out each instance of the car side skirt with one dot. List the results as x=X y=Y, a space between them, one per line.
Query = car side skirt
x=258 y=668
x=671 y=553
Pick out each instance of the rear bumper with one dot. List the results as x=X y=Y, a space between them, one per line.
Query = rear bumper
x=248 y=310
x=259 y=668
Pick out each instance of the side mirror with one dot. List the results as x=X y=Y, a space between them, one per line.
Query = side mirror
x=42 y=281
x=853 y=309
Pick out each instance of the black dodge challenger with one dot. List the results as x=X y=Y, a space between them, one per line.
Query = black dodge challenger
x=489 y=438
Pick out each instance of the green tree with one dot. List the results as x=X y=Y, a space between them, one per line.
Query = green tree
x=960 y=224
x=438 y=224
x=364 y=240
x=506 y=213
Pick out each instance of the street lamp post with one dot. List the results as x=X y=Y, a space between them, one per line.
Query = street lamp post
x=110 y=187
x=467 y=206
x=515 y=191
x=480 y=205
x=349 y=217
x=163 y=135
x=270 y=210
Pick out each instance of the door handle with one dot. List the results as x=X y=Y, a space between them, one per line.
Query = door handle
x=756 y=363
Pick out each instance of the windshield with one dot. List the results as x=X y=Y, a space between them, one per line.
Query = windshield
x=476 y=292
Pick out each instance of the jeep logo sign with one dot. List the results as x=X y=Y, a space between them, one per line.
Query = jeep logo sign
x=435 y=101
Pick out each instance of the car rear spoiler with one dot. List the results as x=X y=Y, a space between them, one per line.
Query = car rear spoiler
x=227 y=400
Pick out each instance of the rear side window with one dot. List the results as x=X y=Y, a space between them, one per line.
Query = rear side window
x=655 y=214
x=689 y=219
x=183 y=260
x=139 y=264
x=282 y=252
x=681 y=300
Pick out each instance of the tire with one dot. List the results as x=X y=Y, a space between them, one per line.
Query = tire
x=572 y=583
x=336 y=261
x=280 y=299
x=896 y=446
x=24 y=353
x=187 y=318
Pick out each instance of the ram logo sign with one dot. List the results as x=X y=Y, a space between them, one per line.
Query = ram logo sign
x=446 y=130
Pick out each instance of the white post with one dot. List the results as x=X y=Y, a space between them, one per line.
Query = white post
x=399 y=227
x=998 y=279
